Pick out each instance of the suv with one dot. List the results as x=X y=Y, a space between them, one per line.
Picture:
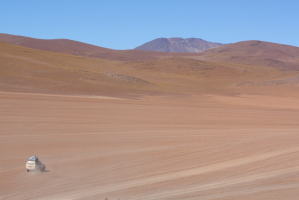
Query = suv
x=33 y=164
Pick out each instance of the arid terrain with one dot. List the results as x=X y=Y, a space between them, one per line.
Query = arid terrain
x=186 y=127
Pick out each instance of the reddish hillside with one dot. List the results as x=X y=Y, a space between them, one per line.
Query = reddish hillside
x=35 y=71
x=30 y=70
x=282 y=57
x=82 y=49
x=57 y=45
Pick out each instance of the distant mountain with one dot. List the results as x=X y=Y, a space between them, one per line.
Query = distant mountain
x=257 y=53
x=176 y=44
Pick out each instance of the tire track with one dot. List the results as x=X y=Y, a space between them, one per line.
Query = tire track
x=227 y=183
x=194 y=172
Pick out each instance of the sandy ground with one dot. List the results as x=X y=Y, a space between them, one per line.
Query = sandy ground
x=201 y=148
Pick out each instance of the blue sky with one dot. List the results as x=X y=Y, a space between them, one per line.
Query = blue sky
x=126 y=24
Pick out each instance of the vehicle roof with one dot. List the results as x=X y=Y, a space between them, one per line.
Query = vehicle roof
x=33 y=158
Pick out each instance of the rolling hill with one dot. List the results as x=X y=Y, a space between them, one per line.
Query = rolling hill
x=279 y=56
x=82 y=49
x=37 y=71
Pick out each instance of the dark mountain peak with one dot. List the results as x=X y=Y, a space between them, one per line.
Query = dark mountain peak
x=177 y=44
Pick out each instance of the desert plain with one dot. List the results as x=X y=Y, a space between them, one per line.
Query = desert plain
x=135 y=130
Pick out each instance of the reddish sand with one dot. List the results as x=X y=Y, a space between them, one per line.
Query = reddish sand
x=200 y=147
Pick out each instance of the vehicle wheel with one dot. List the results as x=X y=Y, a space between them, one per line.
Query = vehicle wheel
x=27 y=170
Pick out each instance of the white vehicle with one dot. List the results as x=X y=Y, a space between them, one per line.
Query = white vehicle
x=33 y=164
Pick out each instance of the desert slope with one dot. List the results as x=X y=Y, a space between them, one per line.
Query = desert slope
x=30 y=70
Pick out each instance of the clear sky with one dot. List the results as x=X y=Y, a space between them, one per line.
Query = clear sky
x=126 y=24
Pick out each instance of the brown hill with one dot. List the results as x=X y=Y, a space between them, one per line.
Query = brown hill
x=36 y=71
x=282 y=57
x=30 y=70
x=82 y=49
x=279 y=56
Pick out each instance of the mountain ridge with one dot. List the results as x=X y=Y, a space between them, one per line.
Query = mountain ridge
x=77 y=48
x=177 y=44
x=31 y=70
x=254 y=52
